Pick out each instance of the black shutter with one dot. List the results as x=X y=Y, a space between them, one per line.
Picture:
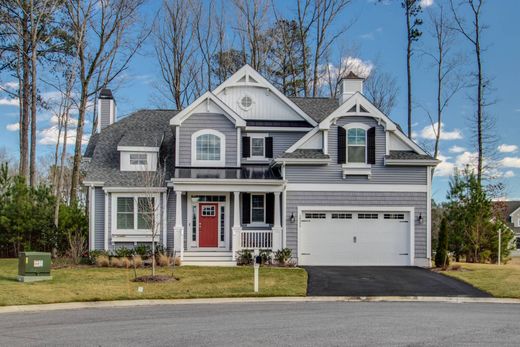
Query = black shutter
x=268 y=147
x=371 y=146
x=246 y=147
x=246 y=208
x=269 y=208
x=342 y=145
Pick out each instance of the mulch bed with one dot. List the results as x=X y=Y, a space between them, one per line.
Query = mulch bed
x=154 y=279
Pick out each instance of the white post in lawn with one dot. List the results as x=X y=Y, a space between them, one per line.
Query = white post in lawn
x=277 y=227
x=256 y=266
x=236 y=229
x=499 y=245
x=178 y=230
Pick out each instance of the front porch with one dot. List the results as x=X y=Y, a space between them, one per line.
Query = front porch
x=215 y=219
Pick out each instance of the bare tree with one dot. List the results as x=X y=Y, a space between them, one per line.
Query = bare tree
x=105 y=37
x=446 y=65
x=306 y=17
x=326 y=13
x=175 y=49
x=381 y=89
x=472 y=33
x=207 y=23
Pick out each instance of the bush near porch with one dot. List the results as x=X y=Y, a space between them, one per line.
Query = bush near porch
x=89 y=283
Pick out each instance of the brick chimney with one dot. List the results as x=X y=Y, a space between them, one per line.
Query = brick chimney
x=106 y=109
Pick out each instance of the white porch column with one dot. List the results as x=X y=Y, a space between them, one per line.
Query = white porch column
x=178 y=230
x=164 y=220
x=277 y=227
x=236 y=229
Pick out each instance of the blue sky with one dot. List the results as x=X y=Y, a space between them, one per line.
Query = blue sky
x=376 y=37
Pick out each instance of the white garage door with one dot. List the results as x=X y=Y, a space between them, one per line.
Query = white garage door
x=354 y=238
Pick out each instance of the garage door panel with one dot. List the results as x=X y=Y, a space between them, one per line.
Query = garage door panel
x=354 y=238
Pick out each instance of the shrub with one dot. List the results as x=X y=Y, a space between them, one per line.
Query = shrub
x=159 y=249
x=265 y=256
x=92 y=256
x=143 y=251
x=163 y=259
x=125 y=262
x=282 y=256
x=137 y=260
x=441 y=255
x=123 y=252
x=102 y=260
x=245 y=257
x=177 y=261
x=115 y=262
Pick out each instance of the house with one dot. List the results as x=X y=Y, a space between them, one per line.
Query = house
x=511 y=216
x=245 y=167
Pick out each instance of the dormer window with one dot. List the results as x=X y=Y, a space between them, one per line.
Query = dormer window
x=139 y=159
x=356 y=149
x=208 y=148
x=356 y=145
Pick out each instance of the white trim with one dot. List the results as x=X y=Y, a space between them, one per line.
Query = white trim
x=134 y=189
x=284 y=129
x=239 y=146
x=302 y=140
x=356 y=169
x=196 y=162
x=137 y=149
x=92 y=225
x=228 y=112
x=164 y=220
x=177 y=142
x=412 y=162
x=247 y=70
x=135 y=231
x=340 y=187
x=256 y=136
x=429 y=214
x=325 y=142
x=107 y=201
x=355 y=165
x=211 y=187
x=256 y=224
x=515 y=211
x=408 y=209
x=303 y=161
x=93 y=183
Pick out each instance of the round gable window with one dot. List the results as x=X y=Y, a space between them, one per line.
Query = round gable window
x=246 y=102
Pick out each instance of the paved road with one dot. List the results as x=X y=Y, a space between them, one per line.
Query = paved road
x=266 y=324
x=384 y=281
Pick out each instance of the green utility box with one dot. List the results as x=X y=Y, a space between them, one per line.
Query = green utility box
x=34 y=266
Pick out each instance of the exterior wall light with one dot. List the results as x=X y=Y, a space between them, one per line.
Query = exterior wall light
x=292 y=219
x=420 y=219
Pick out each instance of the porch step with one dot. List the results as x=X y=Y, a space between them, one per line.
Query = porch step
x=208 y=259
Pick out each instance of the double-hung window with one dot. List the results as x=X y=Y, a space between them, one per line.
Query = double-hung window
x=258 y=208
x=356 y=145
x=258 y=147
x=135 y=213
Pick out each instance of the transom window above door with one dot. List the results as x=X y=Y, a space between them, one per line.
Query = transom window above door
x=208 y=148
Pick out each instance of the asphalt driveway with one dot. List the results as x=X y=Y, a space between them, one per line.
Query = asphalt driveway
x=384 y=281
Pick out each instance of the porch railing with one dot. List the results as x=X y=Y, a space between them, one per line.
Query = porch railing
x=256 y=239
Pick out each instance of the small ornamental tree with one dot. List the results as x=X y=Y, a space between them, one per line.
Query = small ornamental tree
x=441 y=256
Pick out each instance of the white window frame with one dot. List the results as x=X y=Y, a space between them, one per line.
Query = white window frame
x=208 y=163
x=263 y=222
x=135 y=230
x=256 y=136
x=143 y=156
x=363 y=126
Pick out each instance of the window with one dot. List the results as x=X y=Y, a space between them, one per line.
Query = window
x=138 y=159
x=258 y=147
x=342 y=216
x=208 y=148
x=246 y=102
x=125 y=213
x=194 y=223
x=257 y=208
x=208 y=211
x=394 y=216
x=145 y=213
x=222 y=223
x=356 y=145
x=368 y=216
x=135 y=213
x=315 y=215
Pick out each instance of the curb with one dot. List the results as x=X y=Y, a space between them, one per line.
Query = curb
x=153 y=302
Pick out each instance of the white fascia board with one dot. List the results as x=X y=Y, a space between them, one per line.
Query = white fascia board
x=248 y=70
x=228 y=112
x=374 y=112
x=414 y=162
x=515 y=211
x=208 y=186
x=331 y=187
x=135 y=189
x=274 y=129
x=93 y=183
x=296 y=161
x=137 y=149
x=302 y=140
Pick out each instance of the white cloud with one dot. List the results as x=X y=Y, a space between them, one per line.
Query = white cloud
x=428 y=133
x=9 y=102
x=446 y=167
x=457 y=149
x=10 y=85
x=507 y=148
x=348 y=64
x=13 y=126
x=513 y=162
x=426 y=3
x=49 y=136
x=509 y=174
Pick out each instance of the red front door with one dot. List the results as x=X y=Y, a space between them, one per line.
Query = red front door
x=208 y=225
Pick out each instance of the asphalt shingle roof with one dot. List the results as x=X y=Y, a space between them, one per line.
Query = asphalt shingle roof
x=141 y=128
x=408 y=155
x=508 y=207
x=305 y=154
x=316 y=108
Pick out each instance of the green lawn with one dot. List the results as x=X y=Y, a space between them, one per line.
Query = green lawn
x=95 y=284
x=500 y=281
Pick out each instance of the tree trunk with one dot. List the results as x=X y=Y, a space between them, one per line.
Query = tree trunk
x=32 y=167
x=77 y=147
x=409 y=72
x=24 y=126
x=479 y=104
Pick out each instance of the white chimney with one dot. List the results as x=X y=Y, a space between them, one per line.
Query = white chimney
x=350 y=85
x=106 y=109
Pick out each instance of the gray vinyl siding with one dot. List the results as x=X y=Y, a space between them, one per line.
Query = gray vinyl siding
x=369 y=199
x=99 y=215
x=332 y=173
x=104 y=112
x=283 y=140
x=202 y=121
